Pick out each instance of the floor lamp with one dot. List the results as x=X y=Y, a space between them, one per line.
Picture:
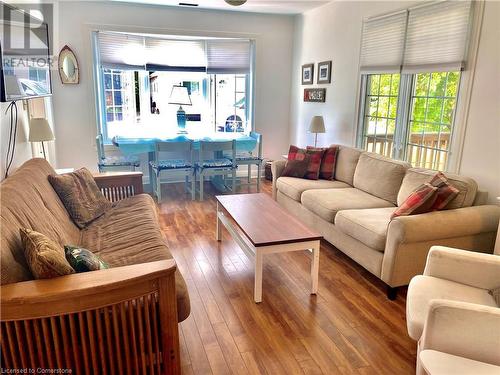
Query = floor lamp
x=317 y=126
x=40 y=131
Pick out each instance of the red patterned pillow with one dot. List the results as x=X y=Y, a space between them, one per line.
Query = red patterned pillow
x=303 y=163
x=327 y=169
x=445 y=193
x=419 y=202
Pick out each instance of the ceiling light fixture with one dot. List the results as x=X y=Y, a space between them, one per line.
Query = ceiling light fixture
x=235 y=2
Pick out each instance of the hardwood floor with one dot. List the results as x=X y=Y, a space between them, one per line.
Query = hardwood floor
x=350 y=327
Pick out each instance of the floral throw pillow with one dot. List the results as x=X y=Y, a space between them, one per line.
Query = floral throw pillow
x=83 y=260
x=419 y=202
x=303 y=163
x=445 y=193
x=328 y=163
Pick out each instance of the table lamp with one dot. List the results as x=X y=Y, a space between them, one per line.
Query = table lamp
x=317 y=126
x=40 y=131
x=180 y=96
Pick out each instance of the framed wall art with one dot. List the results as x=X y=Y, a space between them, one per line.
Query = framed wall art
x=325 y=72
x=308 y=74
x=315 y=95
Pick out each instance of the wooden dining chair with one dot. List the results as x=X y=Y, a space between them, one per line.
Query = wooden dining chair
x=250 y=159
x=219 y=165
x=177 y=167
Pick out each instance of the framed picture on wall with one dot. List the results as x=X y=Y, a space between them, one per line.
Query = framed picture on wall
x=308 y=74
x=325 y=72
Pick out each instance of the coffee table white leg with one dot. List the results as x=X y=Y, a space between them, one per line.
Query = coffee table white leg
x=218 y=228
x=258 y=276
x=315 y=268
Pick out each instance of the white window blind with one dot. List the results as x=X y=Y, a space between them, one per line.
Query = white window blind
x=382 y=43
x=121 y=51
x=437 y=37
x=175 y=54
x=226 y=56
x=428 y=38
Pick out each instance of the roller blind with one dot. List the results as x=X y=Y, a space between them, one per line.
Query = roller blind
x=382 y=43
x=226 y=56
x=437 y=37
x=121 y=51
x=431 y=37
x=175 y=54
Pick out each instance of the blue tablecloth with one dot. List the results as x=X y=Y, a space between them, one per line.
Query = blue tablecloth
x=131 y=146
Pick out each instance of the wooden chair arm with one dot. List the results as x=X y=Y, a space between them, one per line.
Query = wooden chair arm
x=119 y=185
x=81 y=291
x=121 y=319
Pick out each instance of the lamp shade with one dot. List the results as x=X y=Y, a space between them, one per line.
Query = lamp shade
x=180 y=96
x=40 y=130
x=317 y=125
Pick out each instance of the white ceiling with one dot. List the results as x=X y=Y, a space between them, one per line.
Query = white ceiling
x=260 y=6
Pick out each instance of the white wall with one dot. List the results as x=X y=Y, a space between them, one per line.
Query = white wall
x=74 y=107
x=333 y=32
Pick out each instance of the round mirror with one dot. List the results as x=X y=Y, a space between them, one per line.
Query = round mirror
x=68 y=66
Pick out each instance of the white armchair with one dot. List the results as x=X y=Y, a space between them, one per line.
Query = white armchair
x=450 y=312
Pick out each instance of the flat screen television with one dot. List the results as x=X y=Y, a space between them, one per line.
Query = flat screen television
x=24 y=49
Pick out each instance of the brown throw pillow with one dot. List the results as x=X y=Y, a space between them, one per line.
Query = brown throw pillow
x=419 y=202
x=45 y=258
x=445 y=193
x=328 y=163
x=303 y=163
x=80 y=195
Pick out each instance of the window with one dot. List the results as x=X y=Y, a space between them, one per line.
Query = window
x=411 y=63
x=134 y=91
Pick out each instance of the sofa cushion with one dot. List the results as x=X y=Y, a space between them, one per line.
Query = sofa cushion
x=347 y=160
x=327 y=169
x=380 y=176
x=27 y=200
x=417 y=176
x=368 y=226
x=303 y=163
x=422 y=289
x=83 y=260
x=294 y=187
x=418 y=202
x=129 y=233
x=45 y=257
x=327 y=202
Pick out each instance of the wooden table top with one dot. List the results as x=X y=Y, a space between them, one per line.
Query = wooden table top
x=264 y=221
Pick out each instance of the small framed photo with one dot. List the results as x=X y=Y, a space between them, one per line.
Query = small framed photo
x=308 y=74
x=325 y=72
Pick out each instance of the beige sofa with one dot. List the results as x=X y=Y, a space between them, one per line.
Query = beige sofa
x=353 y=214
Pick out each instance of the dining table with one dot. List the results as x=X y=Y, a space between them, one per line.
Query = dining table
x=146 y=145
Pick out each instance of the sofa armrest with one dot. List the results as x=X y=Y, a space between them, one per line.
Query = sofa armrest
x=445 y=224
x=409 y=238
x=119 y=185
x=463 y=329
x=106 y=312
x=277 y=168
x=465 y=267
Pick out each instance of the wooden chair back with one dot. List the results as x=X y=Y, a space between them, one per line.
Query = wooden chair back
x=100 y=146
x=258 y=138
x=219 y=147
x=179 y=147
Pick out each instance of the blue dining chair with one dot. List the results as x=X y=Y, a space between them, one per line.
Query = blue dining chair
x=221 y=165
x=178 y=167
x=119 y=161
x=251 y=158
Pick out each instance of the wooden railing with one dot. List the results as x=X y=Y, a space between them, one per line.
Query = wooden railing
x=429 y=151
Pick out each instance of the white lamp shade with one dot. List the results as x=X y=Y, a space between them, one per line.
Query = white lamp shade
x=180 y=96
x=317 y=125
x=40 y=130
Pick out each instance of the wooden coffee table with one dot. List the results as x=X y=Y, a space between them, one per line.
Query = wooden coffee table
x=261 y=226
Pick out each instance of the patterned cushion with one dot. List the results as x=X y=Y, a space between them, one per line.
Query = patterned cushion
x=80 y=195
x=445 y=193
x=303 y=163
x=215 y=163
x=327 y=169
x=170 y=164
x=119 y=161
x=83 y=260
x=45 y=258
x=419 y=202
x=244 y=156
